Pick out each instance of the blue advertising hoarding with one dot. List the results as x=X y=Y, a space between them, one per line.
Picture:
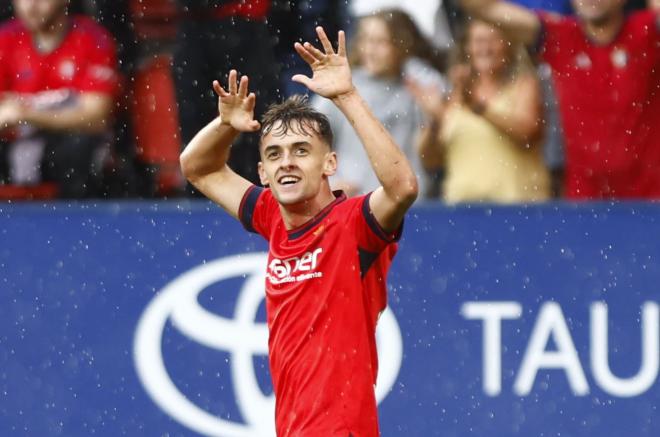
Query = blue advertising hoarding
x=148 y=319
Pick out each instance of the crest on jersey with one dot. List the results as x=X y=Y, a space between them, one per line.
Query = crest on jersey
x=582 y=61
x=619 y=57
x=66 y=69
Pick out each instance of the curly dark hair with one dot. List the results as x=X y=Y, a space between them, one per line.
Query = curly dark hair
x=297 y=115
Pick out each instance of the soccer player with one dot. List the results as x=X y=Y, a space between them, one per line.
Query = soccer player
x=328 y=254
x=606 y=69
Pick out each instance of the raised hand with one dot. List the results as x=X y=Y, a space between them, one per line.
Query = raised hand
x=236 y=106
x=331 y=74
x=429 y=98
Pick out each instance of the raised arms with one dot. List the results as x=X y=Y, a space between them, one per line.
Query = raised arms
x=204 y=161
x=331 y=78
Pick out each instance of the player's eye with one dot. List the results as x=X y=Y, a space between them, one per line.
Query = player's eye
x=301 y=152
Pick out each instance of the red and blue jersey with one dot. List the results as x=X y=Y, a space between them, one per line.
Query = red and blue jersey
x=325 y=289
x=609 y=99
x=85 y=60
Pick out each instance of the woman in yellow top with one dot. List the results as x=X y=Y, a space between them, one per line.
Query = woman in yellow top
x=487 y=134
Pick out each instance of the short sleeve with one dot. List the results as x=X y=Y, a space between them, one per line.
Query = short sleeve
x=99 y=72
x=369 y=233
x=257 y=211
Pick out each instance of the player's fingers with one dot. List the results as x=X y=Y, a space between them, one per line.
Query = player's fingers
x=232 y=82
x=301 y=78
x=219 y=90
x=307 y=57
x=325 y=42
x=316 y=53
x=251 y=102
x=341 y=44
x=254 y=125
x=243 y=87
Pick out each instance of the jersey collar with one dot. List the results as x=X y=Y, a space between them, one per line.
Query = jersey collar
x=299 y=231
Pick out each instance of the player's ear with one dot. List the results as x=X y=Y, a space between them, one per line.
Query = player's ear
x=262 y=174
x=330 y=164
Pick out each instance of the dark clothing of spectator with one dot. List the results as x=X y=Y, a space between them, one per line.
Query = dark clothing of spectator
x=207 y=40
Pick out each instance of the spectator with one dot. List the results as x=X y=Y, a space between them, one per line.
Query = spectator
x=210 y=34
x=383 y=43
x=606 y=69
x=487 y=135
x=58 y=79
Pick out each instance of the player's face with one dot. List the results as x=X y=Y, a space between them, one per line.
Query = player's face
x=487 y=48
x=39 y=15
x=598 y=11
x=378 y=55
x=295 y=164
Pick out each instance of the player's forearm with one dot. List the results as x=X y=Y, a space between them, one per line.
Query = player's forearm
x=208 y=151
x=388 y=161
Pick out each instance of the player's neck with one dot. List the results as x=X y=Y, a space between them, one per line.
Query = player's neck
x=49 y=37
x=604 y=31
x=300 y=213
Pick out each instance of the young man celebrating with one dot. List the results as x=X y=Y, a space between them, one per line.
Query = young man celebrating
x=606 y=69
x=328 y=255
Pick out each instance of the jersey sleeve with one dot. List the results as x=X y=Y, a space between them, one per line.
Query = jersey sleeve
x=257 y=211
x=369 y=233
x=99 y=72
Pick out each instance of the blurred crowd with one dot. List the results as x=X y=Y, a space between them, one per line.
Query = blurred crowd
x=98 y=97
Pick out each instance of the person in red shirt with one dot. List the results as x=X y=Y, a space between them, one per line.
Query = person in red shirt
x=606 y=68
x=58 y=80
x=328 y=255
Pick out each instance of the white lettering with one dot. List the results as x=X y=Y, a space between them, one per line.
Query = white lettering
x=550 y=322
x=281 y=271
x=638 y=384
x=492 y=314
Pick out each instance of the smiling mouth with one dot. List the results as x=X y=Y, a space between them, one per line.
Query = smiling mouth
x=288 y=180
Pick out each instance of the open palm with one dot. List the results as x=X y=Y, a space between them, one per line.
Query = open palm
x=331 y=74
x=236 y=106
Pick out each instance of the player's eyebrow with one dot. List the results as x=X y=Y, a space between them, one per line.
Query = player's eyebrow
x=294 y=144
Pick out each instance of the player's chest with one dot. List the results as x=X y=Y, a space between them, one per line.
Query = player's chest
x=311 y=256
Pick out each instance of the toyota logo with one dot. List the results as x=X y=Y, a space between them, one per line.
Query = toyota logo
x=240 y=336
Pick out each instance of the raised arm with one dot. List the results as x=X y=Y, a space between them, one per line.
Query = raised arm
x=519 y=23
x=332 y=79
x=204 y=161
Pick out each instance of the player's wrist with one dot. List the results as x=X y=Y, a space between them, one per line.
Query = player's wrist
x=346 y=96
